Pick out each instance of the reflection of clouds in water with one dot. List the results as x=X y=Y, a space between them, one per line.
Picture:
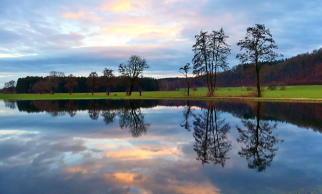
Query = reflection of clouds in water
x=86 y=165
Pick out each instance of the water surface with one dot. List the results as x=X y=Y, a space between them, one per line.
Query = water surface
x=155 y=146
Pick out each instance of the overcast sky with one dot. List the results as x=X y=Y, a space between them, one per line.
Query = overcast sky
x=78 y=36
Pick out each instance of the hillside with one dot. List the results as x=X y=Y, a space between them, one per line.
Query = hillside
x=303 y=69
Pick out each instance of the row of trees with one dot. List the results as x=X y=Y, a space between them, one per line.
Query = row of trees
x=130 y=79
x=211 y=51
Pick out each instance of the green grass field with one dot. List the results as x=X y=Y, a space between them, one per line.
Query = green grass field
x=290 y=93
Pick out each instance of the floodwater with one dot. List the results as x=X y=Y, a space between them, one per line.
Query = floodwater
x=154 y=146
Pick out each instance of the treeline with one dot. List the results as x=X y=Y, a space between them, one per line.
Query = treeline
x=130 y=79
x=59 y=84
x=303 y=69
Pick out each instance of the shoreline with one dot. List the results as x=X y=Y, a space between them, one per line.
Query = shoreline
x=87 y=96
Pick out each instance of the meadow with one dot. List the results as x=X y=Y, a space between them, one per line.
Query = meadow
x=308 y=93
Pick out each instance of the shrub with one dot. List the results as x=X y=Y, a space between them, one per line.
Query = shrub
x=282 y=88
x=271 y=87
x=249 y=88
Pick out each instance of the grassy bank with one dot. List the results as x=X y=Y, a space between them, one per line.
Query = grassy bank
x=311 y=93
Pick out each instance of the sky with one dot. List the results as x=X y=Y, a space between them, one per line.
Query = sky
x=78 y=36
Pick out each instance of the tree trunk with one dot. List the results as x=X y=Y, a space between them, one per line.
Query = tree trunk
x=188 y=91
x=215 y=79
x=259 y=94
x=130 y=89
x=188 y=84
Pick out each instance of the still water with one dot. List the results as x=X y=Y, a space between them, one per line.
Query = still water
x=159 y=147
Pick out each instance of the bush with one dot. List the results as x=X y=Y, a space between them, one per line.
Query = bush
x=282 y=88
x=249 y=88
x=271 y=87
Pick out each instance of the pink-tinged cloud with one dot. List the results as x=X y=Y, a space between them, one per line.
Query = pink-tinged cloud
x=81 y=15
x=123 y=6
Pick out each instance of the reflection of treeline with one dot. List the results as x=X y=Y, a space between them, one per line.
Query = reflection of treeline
x=305 y=115
x=52 y=106
x=300 y=114
x=38 y=84
x=129 y=113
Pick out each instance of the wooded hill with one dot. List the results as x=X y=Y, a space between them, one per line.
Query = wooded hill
x=303 y=69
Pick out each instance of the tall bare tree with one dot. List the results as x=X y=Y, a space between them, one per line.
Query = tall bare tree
x=185 y=71
x=219 y=51
x=53 y=80
x=133 y=70
x=201 y=58
x=71 y=83
x=9 y=87
x=108 y=75
x=92 y=82
x=257 y=48
x=210 y=54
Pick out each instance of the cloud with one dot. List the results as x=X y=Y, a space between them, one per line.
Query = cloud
x=142 y=153
x=80 y=15
x=123 y=6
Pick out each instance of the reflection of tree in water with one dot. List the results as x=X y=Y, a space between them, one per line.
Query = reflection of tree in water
x=210 y=133
x=186 y=114
x=132 y=118
x=10 y=104
x=71 y=108
x=51 y=106
x=93 y=110
x=108 y=114
x=259 y=143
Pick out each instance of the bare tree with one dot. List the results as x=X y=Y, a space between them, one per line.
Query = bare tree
x=92 y=82
x=210 y=54
x=108 y=75
x=201 y=58
x=219 y=52
x=133 y=70
x=71 y=83
x=9 y=87
x=185 y=71
x=257 y=48
x=53 y=80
